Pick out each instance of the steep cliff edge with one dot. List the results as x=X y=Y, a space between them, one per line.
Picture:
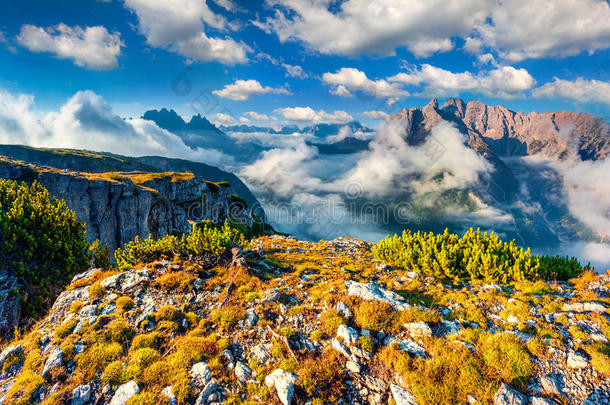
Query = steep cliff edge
x=100 y=162
x=119 y=206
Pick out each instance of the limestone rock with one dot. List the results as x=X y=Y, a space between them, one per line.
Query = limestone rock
x=200 y=374
x=577 y=360
x=271 y=295
x=402 y=396
x=81 y=394
x=371 y=291
x=10 y=304
x=124 y=393
x=348 y=334
x=283 y=383
x=418 y=329
x=584 y=307
x=55 y=359
x=344 y=310
x=508 y=396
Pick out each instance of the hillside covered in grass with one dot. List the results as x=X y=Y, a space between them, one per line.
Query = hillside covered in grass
x=214 y=318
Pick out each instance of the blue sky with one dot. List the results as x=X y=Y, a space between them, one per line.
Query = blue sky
x=540 y=55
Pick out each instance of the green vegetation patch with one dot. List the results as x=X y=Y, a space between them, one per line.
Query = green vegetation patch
x=476 y=256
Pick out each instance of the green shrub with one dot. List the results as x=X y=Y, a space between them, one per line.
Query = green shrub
x=204 y=238
x=41 y=239
x=212 y=239
x=475 y=256
x=145 y=251
x=100 y=255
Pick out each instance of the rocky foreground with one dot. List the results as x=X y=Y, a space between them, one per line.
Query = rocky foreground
x=299 y=322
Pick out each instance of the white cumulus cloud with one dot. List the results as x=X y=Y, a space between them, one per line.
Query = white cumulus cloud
x=257 y=116
x=360 y=26
x=353 y=79
x=502 y=82
x=376 y=115
x=522 y=29
x=179 y=26
x=581 y=90
x=308 y=114
x=294 y=71
x=90 y=47
x=225 y=119
x=241 y=90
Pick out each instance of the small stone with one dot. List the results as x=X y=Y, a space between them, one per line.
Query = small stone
x=112 y=282
x=283 y=383
x=81 y=394
x=408 y=345
x=344 y=310
x=338 y=346
x=508 y=396
x=169 y=394
x=371 y=291
x=205 y=393
x=418 y=329
x=55 y=359
x=242 y=372
x=584 y=307
x=353 y=367
x=348 y=334
x=577 y=360
x=358 y=352
x=107 y=310
x=271 y=295
x=88 y=311
x=260 y=352
x=124 y=393
x=541 y=401
x=251 y=318
x=200 y=374
x=402 y=396
x=549 y=385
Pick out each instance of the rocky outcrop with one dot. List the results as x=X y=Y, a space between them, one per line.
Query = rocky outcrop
x=510 y=133
x=116 y=208
x=10 y=303
x=192 y=341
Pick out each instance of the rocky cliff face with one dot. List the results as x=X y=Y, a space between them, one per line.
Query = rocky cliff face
x=509 y=133
x=120 y=206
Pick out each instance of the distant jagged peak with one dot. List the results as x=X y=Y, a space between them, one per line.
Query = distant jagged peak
x=166 y=119
x=508 y=132
x=172 y=121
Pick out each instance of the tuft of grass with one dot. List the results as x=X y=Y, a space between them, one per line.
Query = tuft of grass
x=23 y=390
x=65 y=328
x=330 y=322
x=228 y=317
x=178 y=281
x=600 y=357
x=506 y=356
x=152 y=340
x=322 y=376
x=375 y=315
x=124 y=304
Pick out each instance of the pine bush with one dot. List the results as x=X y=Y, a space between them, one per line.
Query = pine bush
x=41 y=242
x=475 y=256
